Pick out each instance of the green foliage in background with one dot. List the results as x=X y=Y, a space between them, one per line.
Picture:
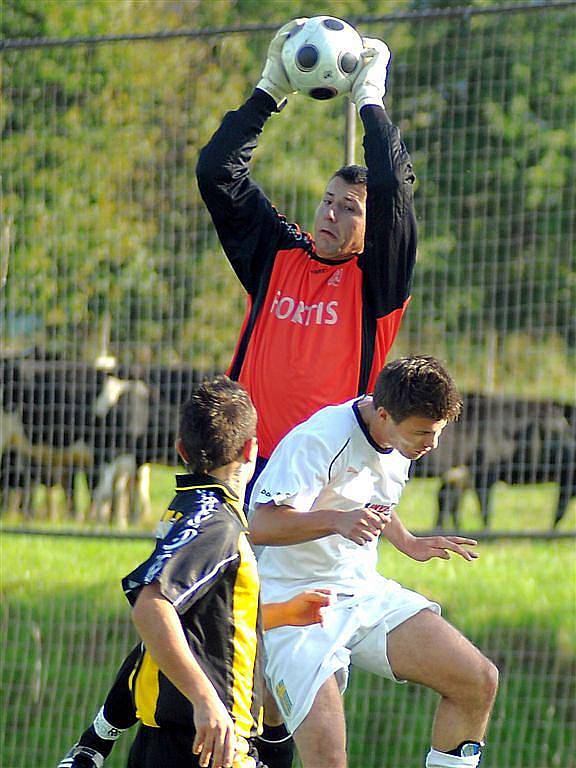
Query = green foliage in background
x=495 y=152
x=100 y=144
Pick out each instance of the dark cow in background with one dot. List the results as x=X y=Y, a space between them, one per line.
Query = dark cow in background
x=169 y=387
x=61 y=418
x=506 y=439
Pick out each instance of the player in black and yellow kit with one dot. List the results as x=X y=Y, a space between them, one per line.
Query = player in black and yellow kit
x=195 y=680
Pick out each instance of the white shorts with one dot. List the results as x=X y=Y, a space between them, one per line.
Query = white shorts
x=299 y=660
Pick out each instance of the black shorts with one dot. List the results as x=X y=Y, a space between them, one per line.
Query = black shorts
x=172 y=748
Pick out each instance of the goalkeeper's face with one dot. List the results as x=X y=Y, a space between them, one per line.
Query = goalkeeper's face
x=340 y=221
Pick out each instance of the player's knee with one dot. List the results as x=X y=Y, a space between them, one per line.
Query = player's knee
x=489 y=683
x=328 y=754
x=482 y=686
x=323 y=750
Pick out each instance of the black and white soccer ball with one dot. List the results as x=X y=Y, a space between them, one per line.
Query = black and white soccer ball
x=322 y=57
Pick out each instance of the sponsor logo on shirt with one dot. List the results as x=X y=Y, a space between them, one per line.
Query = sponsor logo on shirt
x=274 y=494
x=296 y=311
x=381 y=509
x=336 y=278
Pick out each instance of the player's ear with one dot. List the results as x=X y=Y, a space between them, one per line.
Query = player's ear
x=250 y=450
x=179 y=445
x=383 y=413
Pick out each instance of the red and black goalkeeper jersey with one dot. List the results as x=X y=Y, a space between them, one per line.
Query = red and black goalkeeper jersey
x=315 y=332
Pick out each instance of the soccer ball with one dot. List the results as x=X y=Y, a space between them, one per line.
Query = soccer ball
x=322 y=57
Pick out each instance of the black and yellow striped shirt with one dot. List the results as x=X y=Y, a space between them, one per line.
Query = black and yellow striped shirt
x=206 y=568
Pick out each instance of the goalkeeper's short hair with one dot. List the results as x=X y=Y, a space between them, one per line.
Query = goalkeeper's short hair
x=352 y=174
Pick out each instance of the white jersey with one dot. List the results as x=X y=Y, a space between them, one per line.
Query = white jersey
x=329 y=461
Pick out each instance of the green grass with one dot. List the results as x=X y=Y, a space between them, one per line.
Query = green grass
x=511 y=584
x=66 y=628
x=515 y=508
x=530 y=579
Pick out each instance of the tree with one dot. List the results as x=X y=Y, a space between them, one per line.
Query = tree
x=100 y=143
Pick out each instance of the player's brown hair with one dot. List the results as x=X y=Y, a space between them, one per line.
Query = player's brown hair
x=417 y=386
x=215 y=424
x=352 y=174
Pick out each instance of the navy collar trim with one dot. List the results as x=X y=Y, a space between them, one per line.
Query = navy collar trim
x=363 y=426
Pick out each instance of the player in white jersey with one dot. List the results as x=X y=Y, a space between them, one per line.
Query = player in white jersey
x=328 y=492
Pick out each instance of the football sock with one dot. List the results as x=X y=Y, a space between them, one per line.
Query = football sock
x=101 y=735
x=465 y=755
x=275 y=746
x=117 y=714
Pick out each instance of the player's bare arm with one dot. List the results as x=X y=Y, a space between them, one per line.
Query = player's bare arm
x=159 y=627
x=423 y=548
x=281 y=525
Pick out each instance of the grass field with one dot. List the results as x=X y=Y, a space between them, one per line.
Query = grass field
x=66 y=628
x=516 y=508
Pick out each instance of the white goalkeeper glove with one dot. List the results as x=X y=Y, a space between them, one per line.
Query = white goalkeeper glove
x=369 y=86
x=274 y=79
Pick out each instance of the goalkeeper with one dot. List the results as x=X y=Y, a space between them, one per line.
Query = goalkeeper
x=323 y=310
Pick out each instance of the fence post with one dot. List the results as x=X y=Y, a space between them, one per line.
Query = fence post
x=349 y=132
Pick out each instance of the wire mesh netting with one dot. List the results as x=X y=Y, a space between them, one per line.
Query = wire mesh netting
x=65 y=635
x=113 y=277
x=111 y=264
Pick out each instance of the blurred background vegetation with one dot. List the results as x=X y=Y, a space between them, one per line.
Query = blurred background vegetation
x=109 y=245
x=107 y=249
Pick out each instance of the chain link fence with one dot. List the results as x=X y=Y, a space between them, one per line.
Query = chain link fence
x=110 y=265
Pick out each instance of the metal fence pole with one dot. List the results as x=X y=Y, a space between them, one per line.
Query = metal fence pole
x=349 y=132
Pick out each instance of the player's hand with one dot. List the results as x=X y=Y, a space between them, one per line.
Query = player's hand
x=359 y=525
x=306 y=608
x=215 y=739
x=423 y=548
x=369 y=86
x=274 y=79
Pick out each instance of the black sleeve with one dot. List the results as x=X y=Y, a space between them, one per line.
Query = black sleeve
x=192 y=557
x=390 y=242
x=250 y=229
